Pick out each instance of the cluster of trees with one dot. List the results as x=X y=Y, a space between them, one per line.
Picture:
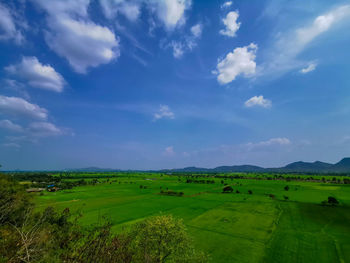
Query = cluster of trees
x=171 y=192
x=229 y=189
x=200 y=181
x=27 y=235
x=269 y=176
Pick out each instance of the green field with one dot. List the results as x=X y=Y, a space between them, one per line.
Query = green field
x=231 y=227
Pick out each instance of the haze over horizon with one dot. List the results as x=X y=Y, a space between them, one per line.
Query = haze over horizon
x=147 y=84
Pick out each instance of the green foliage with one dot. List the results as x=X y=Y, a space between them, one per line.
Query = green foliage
x=164 y=239
x=50 y=236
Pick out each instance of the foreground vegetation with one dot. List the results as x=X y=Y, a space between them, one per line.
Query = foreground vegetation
x=231 y=217
x=27 y=235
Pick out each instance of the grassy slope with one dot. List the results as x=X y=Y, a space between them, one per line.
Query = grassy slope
x=231 y=227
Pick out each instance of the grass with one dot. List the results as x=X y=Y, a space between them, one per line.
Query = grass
x=230 y=227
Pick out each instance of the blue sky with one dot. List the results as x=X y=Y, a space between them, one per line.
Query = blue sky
x=150 y=84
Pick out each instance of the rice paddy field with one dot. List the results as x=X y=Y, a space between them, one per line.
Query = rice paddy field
x=263 y=226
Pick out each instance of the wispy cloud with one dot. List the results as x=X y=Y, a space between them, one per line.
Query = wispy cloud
x=164 y=112
x=311 y=67
x=283 y=56
x=271 y=142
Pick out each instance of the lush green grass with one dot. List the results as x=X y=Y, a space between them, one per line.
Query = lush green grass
x=230 y=227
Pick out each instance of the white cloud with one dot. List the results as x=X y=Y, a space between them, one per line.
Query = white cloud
x=37 y=75
x=169 y=151
x=83 y=44
x=164 y=112
x=171 y=12
x=187 y=43
x=269 y=143
x=226 y=4
x=18 y=106
x=258 y=101
x=321 y=24
x=75 y=37
x=44 y=129
x=9 y=125
x=67 y=7
x=130 y=9
x=284 y=53
x=197 y=30
x=309 y=68
x=8 y=30
x=231 y=24
x=240 y=61
x=178 y=49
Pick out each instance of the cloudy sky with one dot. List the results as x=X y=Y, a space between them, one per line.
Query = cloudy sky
x=149 y=84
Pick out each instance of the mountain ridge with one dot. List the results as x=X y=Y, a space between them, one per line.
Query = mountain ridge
x=343 y=166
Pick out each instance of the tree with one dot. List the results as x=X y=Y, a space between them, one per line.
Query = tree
x=332 y=200
x=164 y=239
x=286 y=188
x=227 y=189
x=250 y=192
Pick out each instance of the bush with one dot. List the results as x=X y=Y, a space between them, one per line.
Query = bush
x=250 y=192
x=332 y=200
x=286 y=188
x=227 y=189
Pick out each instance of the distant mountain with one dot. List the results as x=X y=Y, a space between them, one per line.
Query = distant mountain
x=238 y=168
x=306 y=167
x=342 y=166
x=219 y=169
x=297 y=167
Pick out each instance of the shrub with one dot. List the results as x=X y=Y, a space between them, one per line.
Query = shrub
x=286 y=188
x=227 y=189
x=250 y=192
x=332 y=200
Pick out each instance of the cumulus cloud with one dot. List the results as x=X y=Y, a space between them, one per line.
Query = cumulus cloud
x=37 y=75
x=20 y=107
x=75 y=37
x=9 y=125
x=258 y=101
x=130 y=9
x=226 y=4
x=283 y=55
x=240 y=61
x=309 y=68
x=8 y=29
x=171 y=12
x=271 y=142
x=164 y=112
x=231 y=24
